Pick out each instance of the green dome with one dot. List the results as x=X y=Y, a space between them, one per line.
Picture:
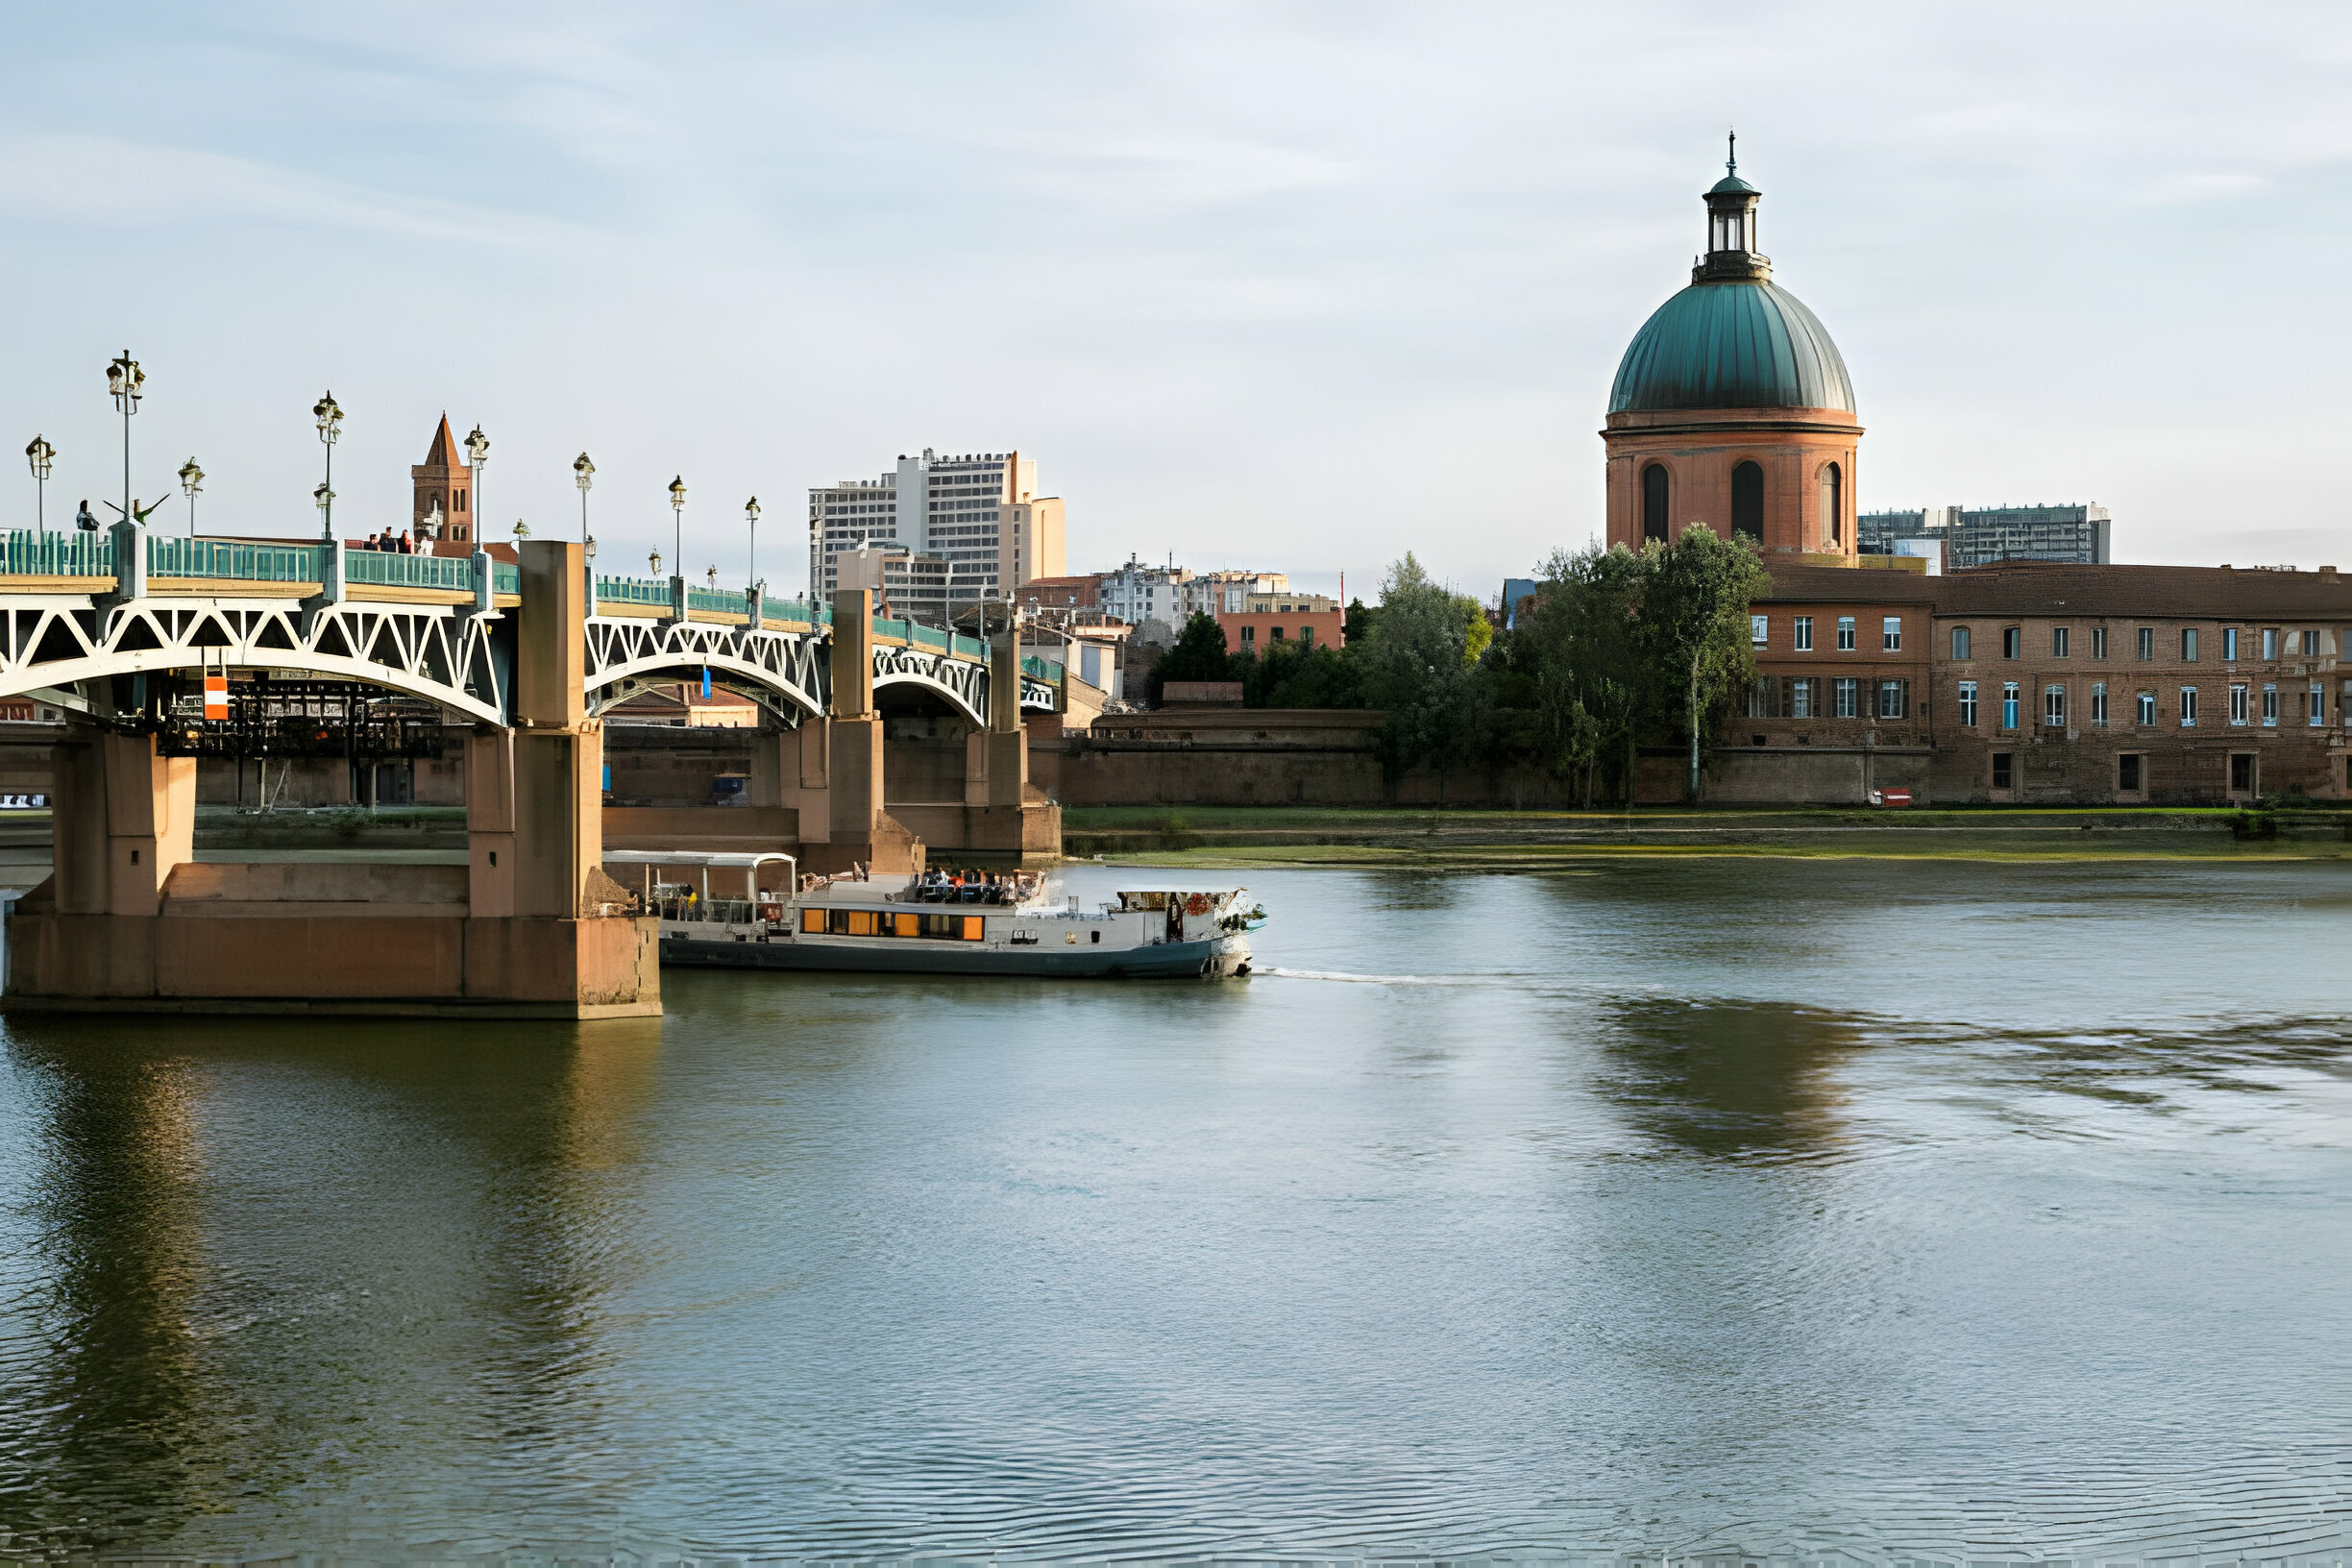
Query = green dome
x=1731 y=345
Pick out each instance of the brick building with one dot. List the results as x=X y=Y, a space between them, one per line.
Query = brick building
x=2032 y=683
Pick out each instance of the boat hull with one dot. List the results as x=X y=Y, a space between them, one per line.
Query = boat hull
x=1216 y=958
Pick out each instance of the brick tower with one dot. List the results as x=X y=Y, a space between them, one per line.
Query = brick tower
x=444 y=509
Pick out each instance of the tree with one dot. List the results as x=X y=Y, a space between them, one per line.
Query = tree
x=1694 y=628
x=1199 y=655
x=1419 y=666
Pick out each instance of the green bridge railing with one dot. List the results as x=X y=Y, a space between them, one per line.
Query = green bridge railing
x=25 y=553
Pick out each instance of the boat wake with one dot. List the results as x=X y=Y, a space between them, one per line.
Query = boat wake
x=1278 y=972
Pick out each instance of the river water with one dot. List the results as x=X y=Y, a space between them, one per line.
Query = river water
x=1807 y=1210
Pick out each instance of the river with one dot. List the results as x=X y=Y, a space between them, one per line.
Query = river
x=1807 y=1210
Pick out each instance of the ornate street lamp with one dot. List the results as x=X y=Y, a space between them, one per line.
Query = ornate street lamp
x=678 y=512
x=584 y=475
x=712 y=575
x=41 y=455
x=127 y=383
x=478 y=456
x=653 y=561
x=751 y=518
x=521 y=531
x=330 y=419
x=191 y=481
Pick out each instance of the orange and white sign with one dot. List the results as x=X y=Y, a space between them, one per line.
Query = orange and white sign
x=216 y=696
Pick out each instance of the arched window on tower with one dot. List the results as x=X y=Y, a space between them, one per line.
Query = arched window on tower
x=1834 y=506
x=1748 y=503
x=1653 y=501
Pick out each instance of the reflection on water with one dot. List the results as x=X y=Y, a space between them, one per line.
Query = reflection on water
x=1723 y=1079
x=1568 y=1216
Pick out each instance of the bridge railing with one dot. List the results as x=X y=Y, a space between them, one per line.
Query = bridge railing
x=968 y=647
x=251 y=561
x=382 y=569
x=632 y=590
x=26 y=553
x=1038 y=668
x=794 y=609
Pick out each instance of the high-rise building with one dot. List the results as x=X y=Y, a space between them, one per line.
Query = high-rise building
x=2076 y=534
x=971 y=528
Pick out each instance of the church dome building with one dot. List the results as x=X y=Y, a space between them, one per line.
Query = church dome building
x=1732 y=408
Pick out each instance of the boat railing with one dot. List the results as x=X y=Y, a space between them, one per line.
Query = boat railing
x=708 y=911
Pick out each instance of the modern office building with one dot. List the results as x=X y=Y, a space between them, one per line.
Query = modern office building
x=2073 y=535
x=970 y=526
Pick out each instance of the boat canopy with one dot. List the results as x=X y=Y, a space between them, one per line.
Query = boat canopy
x=717 y=860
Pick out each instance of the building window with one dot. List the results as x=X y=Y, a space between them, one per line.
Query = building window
x=1760 y=695
x=1748 y=502
x=1846 y=692
x=2127 y=772
x=2148 y=708
x=1891 y=705
x=2242 y=773
x=1968 y=704
x=2314 y=704
x=1306 y=637
x=2189 y=651
x=1249 y=636
x=2147 y=644
x=2236 y=704
x=1653 y=501
x=1800 y=698
x=2099 y=641
x=2229 y=644
x=2269 y=706
x=1890 y=633
x=1960 y=642
x=1274 y=634
x=1804 y=634
x=2269 y=642
x=1759 y=629
x=1834 y=504
x=2060 y=637
x=2011 y=638
x=2009 y=704
x=2099 y=703
x=2188 y=707
x=2003 y=770
x=2311 y=644
x=1846 y=634
x=2053 y=707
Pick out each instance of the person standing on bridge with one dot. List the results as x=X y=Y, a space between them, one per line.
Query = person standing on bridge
x=84 y=520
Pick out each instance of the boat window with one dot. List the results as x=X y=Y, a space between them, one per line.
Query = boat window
x=1096 y=937
x=973 y=924
x=812 y=920
x=942 y=926
x=906 y=925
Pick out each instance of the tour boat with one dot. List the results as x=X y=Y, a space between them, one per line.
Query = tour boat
x=918 y=925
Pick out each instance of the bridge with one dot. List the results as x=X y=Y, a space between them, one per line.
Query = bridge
x=113 y=627
x=433 y=626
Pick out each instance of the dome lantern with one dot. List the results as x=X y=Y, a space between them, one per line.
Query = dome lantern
x=1732 y=254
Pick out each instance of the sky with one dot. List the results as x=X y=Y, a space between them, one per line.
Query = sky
x=1291 y=286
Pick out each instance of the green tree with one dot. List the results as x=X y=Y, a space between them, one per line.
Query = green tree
x=1199 y=655
x=1420 y=667
x=1694 y=632
x=1293 y=674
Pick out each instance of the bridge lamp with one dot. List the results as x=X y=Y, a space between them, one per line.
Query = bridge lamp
x=41 y=455
x=521 y=531
x=584 y=475
x=654 y=561
x=752 y=517
x=711 y=575
x=678 y=512
x=330 y=419
x=477 y=455
x=191 y=481
x=127 y=383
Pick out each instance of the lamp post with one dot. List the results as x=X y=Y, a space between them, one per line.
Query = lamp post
x=191 y=481
x=751 y=558
x=677 y=513
x=127 y=383
x=653 y=562
x=330 y=419
x=710 y=574
x=521 y=531
x=584 y=475
x=41 y=455
x=477 y=457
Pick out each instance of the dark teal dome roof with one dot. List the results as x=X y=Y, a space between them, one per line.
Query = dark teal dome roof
x=1731 y=345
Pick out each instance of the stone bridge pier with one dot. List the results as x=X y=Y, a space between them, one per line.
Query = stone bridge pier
x=530 y=927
